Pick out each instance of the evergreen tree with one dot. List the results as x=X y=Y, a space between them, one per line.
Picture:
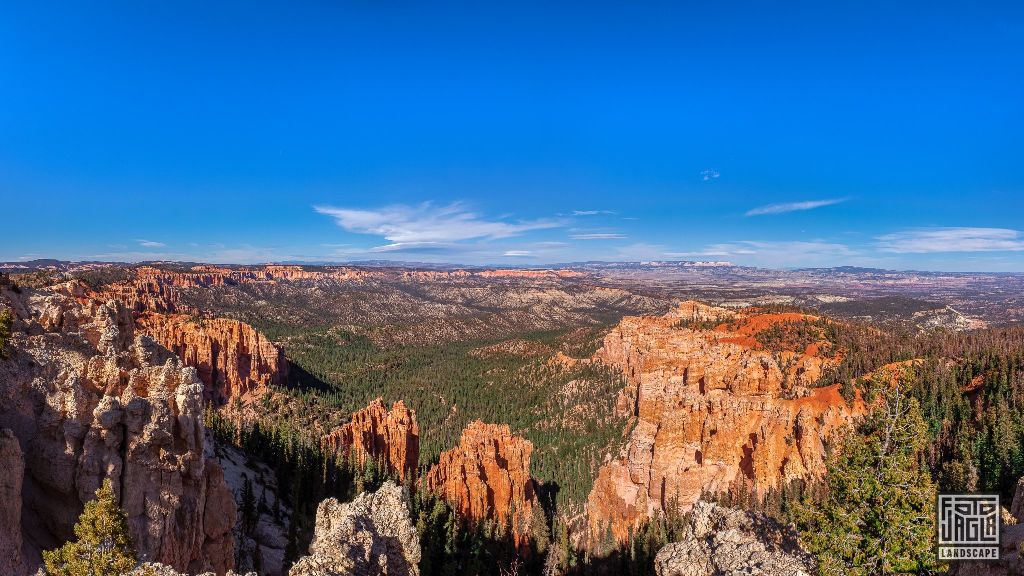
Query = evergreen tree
x=103 y=546
x=6 y=321
x=878 y=515
x=539 y=530
x=249 y=514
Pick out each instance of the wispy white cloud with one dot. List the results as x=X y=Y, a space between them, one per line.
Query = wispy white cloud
x=709 y=174
x=786 y=253
x=428 y=226
x=150 y=243
x=517 y=253
x=793 y=206
x=592 y=212
x=598 y=236
x=955 y=239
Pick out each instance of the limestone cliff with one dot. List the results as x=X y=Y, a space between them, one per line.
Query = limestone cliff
x=487 y=477
x=89 y=398
x=234 y=361
x=389 y=437
x=710 y=408
x=370 y=536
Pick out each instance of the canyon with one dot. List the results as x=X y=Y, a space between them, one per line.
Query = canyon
x=630 y=407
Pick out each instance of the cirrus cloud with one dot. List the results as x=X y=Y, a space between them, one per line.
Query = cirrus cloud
x=792 y=206
x=952 y=239
x=598 y=236
x=426 y=225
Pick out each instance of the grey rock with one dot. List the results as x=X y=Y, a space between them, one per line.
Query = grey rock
x=721 y=541
x=370 y=536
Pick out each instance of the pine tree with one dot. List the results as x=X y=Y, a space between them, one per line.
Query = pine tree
x=103 y=546
x=878 y=515
x=6 y=321
x=249 y=514
x=539 y=529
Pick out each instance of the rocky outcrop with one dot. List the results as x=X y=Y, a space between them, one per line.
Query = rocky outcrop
x=391 y=438
x=487 y=477
x=13 y=466
x=370 y=536
x=719 y=541
x=88 y=398
x=157 y=569
x=233 y=359
x=709 y=409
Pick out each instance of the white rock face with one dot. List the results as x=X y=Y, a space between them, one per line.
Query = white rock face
x=370 y=536
x=87 y=398
x=723 y=541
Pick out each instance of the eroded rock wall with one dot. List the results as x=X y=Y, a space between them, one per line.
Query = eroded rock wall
x=233 y=360
x=487 y=477
x=89 y=398
x=391 y=437
x=709 y=408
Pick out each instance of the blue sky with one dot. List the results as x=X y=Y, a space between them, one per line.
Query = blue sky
x=774 y=134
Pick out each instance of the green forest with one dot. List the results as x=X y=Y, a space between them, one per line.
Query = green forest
x=566 y=411
x=960 y=413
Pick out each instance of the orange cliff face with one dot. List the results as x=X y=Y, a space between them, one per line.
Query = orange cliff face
x=155 y=289
x=390 y=437
x=487 y=477
x=234 y=361
x=710 y=409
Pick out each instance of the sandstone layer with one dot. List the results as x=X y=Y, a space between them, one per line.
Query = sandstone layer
x=234 y=361
x=391 y=438
x=88 y=398
x=370 y=536
x=711 y=409
x=717 y=541
x=487 y=477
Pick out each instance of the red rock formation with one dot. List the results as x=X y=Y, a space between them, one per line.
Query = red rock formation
x=145 y=292
x=487 y=477
x=89 y=399
x=709 y=409
x=156 y=290
x=232 y=358
x=392 y=438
